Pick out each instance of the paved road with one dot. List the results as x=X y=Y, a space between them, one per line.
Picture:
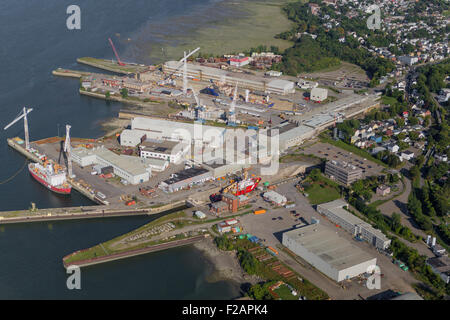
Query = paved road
x=400 y=205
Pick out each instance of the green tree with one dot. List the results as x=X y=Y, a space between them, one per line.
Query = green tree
x=124 y=93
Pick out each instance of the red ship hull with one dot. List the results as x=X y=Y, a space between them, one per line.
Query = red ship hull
x=50 y=187
x=249 y=188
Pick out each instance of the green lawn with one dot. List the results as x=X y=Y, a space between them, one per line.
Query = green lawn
x=388 y=100
x=318 y=193
x=285 y=293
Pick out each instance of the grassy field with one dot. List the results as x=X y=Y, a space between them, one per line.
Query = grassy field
x=388 y=100
x=319 y=193
x=256 y=24
x=285 y=293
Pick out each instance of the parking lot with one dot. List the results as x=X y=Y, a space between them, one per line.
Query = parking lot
x=330 y=152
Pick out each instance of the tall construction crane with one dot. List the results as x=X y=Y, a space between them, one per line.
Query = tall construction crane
x=183 y=63
x=25 y=125
x=233 y=106
x=68 y=151
x=115 y=52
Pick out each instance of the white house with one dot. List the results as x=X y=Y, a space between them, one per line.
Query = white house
x=407 y=155
x=393 y=148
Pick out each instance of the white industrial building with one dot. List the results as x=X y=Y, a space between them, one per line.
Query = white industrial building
x=275 y=198
x=289 y=135
x=131 y=138
x=319 y=94
x=329 y=253
x=174 y=152
x=335 y=212
x=83 y=157
x=158 y=129
x=132 y=169
x=205 y=73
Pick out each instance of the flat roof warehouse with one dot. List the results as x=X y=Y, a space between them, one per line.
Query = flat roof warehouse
x=328 y=252
x=185 y=174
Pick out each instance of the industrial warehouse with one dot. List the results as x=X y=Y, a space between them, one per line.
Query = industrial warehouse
x=205 y=73
x=185 y=179
x=329 y=253
x=335 y=211
x=132 y=169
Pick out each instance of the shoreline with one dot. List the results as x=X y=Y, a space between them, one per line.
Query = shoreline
x=225 y=263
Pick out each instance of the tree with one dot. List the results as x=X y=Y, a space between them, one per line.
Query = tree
x=396 y=223
x=107 y=95
x=124 y=92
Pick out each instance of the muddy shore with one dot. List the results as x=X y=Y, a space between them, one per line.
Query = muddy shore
x=226 y=264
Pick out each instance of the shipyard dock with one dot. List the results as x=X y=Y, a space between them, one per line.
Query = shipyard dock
x=91 y=212
x=132 y=253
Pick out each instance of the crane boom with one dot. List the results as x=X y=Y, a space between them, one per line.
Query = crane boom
x=115 y=52
x=17 y=119
x=68 y=151
x=181 y=62
x=25 y=125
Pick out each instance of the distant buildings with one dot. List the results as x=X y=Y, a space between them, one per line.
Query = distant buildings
x=331 y=254
x=335 y=211
x=343 y=172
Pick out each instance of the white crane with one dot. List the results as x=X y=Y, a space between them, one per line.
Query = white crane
x=25 y=125
x=183 y=62
x=68 y=151
x=197 y=100
x=233 y=106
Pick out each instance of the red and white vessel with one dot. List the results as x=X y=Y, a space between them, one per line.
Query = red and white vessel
x=246 y=186
x=51 y=176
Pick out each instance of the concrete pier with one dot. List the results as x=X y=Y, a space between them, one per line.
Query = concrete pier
x=76 y=213
x=132 y=253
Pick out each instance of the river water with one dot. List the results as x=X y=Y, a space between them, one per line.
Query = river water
x=35 y=40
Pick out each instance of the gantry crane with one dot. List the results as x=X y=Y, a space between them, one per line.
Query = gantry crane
x=25 y=125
